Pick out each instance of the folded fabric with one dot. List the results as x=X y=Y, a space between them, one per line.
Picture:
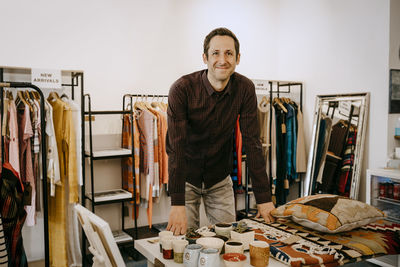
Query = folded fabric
x=328 y=213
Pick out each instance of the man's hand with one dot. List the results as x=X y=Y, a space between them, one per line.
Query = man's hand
x=177 y=222
x=264 y=210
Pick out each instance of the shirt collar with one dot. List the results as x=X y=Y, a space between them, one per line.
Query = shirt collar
x=210 y=90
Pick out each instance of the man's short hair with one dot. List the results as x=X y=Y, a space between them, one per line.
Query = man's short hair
x=220 y=32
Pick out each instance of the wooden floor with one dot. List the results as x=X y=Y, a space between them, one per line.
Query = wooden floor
x=36 y=263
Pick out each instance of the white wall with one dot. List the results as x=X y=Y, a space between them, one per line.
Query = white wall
x=339 y=47
x=143 y=46
x=394 y=63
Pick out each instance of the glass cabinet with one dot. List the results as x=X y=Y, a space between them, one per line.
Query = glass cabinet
x=383 y=192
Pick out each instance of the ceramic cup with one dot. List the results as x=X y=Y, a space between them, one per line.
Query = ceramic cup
x=166 y=244
x=223 y=229
x=209 y=257
x=162 y=234
x=259 y=253
x=234 y=247
x=191 y=255
x=178 y=246
x=234 y=259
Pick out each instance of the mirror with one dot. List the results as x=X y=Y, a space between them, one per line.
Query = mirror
x=336 y=151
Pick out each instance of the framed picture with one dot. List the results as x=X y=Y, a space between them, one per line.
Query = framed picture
x=394 y=91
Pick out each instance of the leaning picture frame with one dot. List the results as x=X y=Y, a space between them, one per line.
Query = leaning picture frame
x=394 y=91
x=102 y=244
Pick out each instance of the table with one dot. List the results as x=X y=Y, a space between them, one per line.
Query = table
x=152 y=253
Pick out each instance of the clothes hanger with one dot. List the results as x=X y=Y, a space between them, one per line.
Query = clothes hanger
x=10 y=96
x=278 y=101
x=53 y=96
x=20 y=98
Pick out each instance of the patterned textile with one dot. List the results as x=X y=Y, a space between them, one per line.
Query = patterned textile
x=13 y=214
x=328 y=213
x=347 y=164
x=3 y=247
x=126 y=163
x=312 y=248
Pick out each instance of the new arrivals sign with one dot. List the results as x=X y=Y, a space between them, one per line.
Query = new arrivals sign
x=45 y=78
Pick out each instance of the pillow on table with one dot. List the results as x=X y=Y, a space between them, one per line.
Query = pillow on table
x=328 y=213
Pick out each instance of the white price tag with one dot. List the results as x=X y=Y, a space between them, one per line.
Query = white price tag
x=345 y=107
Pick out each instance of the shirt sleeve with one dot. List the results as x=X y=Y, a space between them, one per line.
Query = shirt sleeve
x=252 y=145
x=175 y=143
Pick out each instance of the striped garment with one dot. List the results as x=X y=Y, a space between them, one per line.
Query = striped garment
x=13 y=214
x=3 y=247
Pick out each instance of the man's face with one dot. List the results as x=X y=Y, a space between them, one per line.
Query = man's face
x=221 y=59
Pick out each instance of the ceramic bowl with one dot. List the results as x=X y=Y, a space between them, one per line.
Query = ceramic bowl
x=234 y=259
x=211 y=242
x=208 y=234
x=223 y=229
x=246 y=238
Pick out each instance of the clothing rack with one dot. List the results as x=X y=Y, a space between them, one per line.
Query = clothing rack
x=130 y=112
x=75 y=76
x=43 y=146
x=288 y=87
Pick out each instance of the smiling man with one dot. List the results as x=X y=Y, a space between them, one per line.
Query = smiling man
x=202 y=111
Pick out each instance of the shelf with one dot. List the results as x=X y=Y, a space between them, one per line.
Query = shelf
x=393 y=219
x=110 y=153
x=107 y=112
x=110 y=196
x=121 y=237
x=397 y=137
x=389 y=200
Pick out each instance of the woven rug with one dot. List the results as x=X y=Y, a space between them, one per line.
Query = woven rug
x=295 y=245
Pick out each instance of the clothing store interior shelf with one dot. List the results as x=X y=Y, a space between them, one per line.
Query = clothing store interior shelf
x=115 y=195
x=110 y=153
x=109 y=196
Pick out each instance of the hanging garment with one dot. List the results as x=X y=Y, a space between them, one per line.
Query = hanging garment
x=53 y=165
x=25 y=133
x=301 y=158
x=13 y=214
x=13 y=143
x=280 y=194
x=146 y=128
x=136 y=144
x=263 y=115
x=237 y=171
x=76 y=119
x=65 y=137
x=347 y=164
x=338 y=138
x=164 y=156
x=273 y=154
x=127 y=163
x=3 y=247
x=290 y=145
x=323 y=143
x=36 y=150
x=74 y=246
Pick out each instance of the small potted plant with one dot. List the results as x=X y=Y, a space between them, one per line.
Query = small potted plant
x=192 y=236
x=243 y=233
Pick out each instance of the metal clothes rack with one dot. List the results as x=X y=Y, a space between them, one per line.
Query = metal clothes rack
x=279 y=84
x=43 y=146
x=127 y=109
x=7 y=84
